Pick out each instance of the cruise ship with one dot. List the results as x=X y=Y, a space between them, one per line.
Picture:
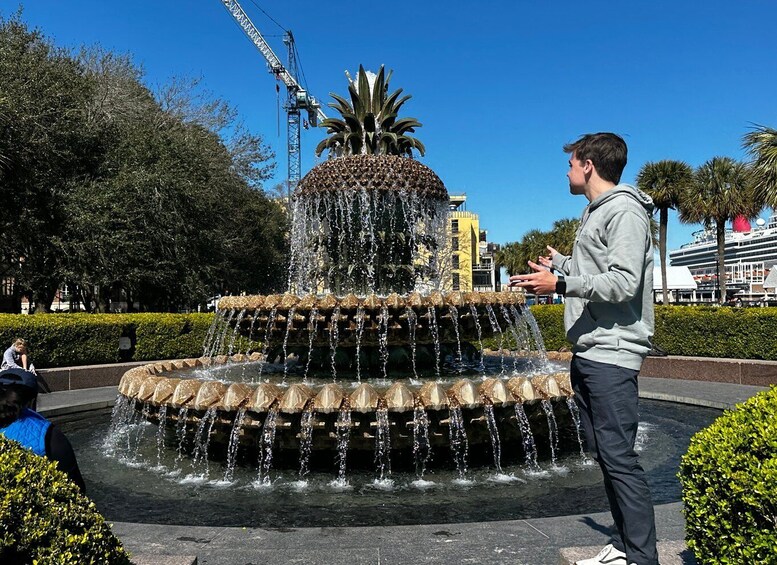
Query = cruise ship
x=750 y=253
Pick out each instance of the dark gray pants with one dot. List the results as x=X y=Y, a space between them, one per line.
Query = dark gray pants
x=608 y=399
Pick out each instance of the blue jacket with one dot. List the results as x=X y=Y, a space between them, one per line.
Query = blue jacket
x=29 y=430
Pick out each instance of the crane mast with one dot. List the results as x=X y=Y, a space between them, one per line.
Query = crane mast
x=297 y=98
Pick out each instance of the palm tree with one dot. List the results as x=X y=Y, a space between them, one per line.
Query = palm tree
x=762 y=145
x=369 y=123
x=562 y=235
x=722 y=189
x=664 y=181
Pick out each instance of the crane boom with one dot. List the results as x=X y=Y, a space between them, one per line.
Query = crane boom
x=298 y=98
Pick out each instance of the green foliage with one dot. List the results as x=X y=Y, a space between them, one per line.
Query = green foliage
x=44 y=518
x=708 y=331
x=107 y=185
x=515 y=256
x=550 y=319
x=61 y=340
x=729 y=482
x=369 y=123
x=169 y=336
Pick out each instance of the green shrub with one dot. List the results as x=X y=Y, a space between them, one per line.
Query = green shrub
x=170 y=336
x=729 y=482
x=550 y=319
x=708 y=331
x=44 y=518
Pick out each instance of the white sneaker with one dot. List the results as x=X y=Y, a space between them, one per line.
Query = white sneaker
x=607 y=556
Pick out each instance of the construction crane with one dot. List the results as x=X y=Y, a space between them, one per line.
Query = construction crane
x=297 y=100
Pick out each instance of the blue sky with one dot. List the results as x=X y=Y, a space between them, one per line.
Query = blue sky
x=500 y=86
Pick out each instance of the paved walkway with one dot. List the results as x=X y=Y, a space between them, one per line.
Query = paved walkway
x=519 y=542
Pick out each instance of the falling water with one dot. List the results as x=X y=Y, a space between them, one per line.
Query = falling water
x=289 y=325
x=267 y=336
x=455 y=321
x=574 y=411
x=436 y=337
x=202 y=440
x=312 y=331
x=547 y=407
x=343 y=426
x=496 y=328
x=334 y=338
x=140 y=428
x=218 y=341
x=250 y=338
x=208 y=345
x=474 y=310
x=234 y=442
x=539 y=344
x=493 y=431
x=231 y=347
x=160 y=434
x=180 y=432
x=421 y=448
x=529 y=447
x=412 y=320
x=267 y=441
x=382 y=444
x=514 y=330
x=120 y=414
x=305 y=441
x=458 y=440
x=359 y=332
x=383 y=321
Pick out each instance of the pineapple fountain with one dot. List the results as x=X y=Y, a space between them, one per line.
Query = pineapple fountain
x=370 y=352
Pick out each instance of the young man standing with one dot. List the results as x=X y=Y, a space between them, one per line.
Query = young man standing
x=608 y=285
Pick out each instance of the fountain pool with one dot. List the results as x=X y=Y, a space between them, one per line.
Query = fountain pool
x=174 y=492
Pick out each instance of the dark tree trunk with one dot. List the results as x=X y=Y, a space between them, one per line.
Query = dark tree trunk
x=721 y=233
x=663 y=220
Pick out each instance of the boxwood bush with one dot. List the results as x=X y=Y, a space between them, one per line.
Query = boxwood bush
x=59 y=340
x=729 y=482
x=44 y=518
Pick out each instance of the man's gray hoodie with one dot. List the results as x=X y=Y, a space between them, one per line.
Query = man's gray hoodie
x=609 y=296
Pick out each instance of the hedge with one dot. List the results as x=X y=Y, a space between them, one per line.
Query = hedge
x=729 y=482
x=59 y=340
x=44 y=518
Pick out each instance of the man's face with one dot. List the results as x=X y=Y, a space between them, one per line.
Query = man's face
x=576 y=175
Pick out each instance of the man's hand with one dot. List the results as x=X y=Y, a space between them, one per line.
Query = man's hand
x=541 y=281
x=547 y=261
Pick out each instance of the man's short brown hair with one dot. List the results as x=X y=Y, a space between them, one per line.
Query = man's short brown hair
x=607 y=151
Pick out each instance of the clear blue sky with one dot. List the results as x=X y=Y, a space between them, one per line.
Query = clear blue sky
x=500 y=86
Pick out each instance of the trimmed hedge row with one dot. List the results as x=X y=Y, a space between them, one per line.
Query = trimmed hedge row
x=698 y=331
x=44 y=518
x=59 y=340
x=729 y=482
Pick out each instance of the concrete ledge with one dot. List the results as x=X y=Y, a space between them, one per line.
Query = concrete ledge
x=735 y=371
x=85 y=376
x=669 y=553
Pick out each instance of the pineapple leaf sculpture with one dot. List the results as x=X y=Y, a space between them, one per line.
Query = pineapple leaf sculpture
x=369 y=123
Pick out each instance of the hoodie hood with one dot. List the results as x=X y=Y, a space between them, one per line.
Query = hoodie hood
x=624 y=189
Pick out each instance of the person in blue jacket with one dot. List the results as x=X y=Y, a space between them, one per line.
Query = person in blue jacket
x=18 y=390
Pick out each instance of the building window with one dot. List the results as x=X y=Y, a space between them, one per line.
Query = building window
x=455 y=260
x=456 y=283
x=454 y=226
x=455 y=243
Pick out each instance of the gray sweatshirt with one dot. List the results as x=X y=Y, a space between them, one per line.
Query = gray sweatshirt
x=608 y=315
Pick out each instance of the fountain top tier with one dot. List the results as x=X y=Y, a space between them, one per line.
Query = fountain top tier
x=372 y=172
x=351 y=301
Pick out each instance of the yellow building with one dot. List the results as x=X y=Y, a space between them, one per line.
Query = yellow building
x=472 y=263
